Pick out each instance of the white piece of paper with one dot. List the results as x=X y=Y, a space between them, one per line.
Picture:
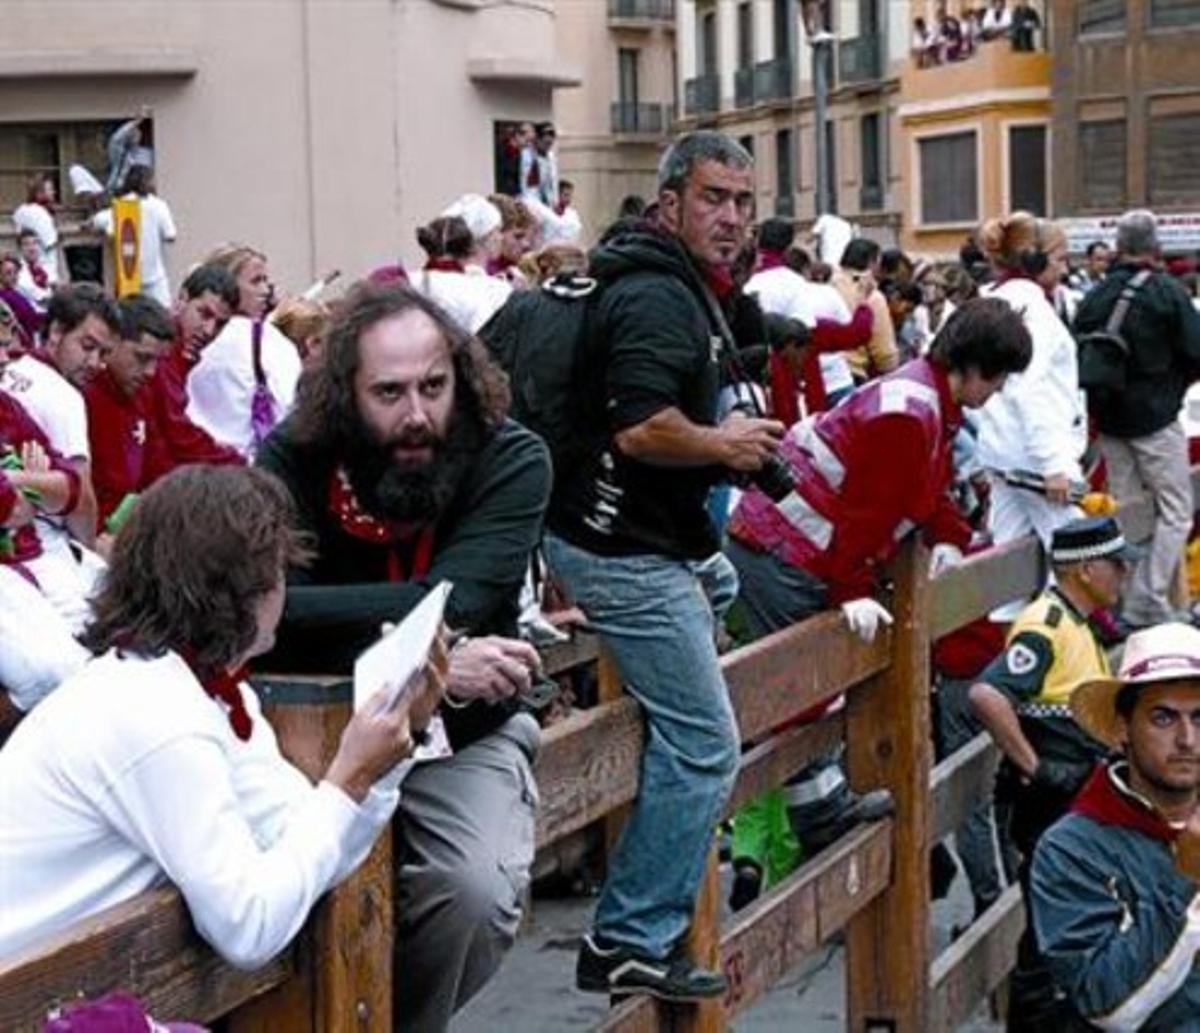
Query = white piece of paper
x=403 y=651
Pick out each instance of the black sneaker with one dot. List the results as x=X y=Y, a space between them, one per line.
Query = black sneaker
x=747 y=884
x=619 y=970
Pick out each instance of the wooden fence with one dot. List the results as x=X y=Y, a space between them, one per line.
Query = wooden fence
x=873 y=884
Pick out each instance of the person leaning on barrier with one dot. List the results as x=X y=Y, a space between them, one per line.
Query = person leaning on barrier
x=1022 y=699
x=154 y=763
x=406 y=472
x=1114 y=896
x=858 y=479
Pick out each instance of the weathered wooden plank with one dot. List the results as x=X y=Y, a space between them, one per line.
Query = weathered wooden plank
x=960 y=782
x=146 y=946
x=984 y=581
x=888 y=746
x=770 y=936
x=582 y=648
x=976 y=963
x=773 y=761
x=589 y=764
x=777 y=677
x=704 y=945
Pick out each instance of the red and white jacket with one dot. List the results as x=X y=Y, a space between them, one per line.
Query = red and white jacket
x=866 y=473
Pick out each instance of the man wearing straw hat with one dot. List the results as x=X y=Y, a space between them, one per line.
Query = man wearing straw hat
x=1114 y=885
x=1022 y=698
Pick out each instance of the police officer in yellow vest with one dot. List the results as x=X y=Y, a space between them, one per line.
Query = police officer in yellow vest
x=1022 y=698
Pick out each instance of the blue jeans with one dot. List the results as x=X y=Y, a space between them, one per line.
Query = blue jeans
x=655 y=614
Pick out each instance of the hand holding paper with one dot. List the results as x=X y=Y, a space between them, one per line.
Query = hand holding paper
x=402 y=652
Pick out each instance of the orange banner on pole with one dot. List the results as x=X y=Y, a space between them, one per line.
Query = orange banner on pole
x=127 y=244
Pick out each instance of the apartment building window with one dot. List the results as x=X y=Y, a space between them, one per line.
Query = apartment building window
x=1102 y=164
x=782 y=14
x=949 y=178
x=627 y=76
x=745 y=31
x=1168 y=13
x=785 y=175
x=1101 y=16
x=871 y=162
x=707 y=43
x=747 y=143
x=1027 y=169
x=1174 y=158
x=27 y=149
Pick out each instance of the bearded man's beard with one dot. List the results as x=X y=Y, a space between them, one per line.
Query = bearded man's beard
x=408 y=493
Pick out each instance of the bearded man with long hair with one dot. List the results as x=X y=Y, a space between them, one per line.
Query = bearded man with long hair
x=406 y=472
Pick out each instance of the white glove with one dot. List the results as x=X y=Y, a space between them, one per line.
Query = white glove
x=943 y=557
x=863 y=616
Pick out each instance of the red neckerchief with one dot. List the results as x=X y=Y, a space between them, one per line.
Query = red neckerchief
x=1107 y=802
x=360 y=524
x=720 y=281
x=500 y=265
x=445 y=265
x=41 y=278
x=223 y=685
x=768 y=259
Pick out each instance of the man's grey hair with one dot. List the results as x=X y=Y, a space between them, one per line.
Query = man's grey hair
x=1137 y=233
x=692 y=148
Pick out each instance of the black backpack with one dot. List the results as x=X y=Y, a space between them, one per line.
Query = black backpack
x=1104 y=353
x=543 y=340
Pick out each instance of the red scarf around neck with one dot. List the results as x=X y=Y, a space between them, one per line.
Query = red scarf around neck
x=224 y=686
x=445 y=265
x=768 y=259
x=358 y=523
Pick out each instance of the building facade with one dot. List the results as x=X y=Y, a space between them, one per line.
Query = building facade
x=1126 y=89
x=975 y=139
x=748 y=68
x=322 y=132
x=612 y=130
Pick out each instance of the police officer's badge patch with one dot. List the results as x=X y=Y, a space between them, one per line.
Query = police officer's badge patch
x=1021 y=660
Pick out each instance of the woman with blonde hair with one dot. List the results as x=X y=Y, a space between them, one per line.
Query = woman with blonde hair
x=303 y=321
x=1038 y=422
x=245 y=382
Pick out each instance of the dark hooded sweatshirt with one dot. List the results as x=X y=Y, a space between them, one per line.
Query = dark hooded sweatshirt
x=661 y=349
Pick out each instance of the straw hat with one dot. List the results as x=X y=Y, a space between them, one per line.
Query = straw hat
x=1165 y=652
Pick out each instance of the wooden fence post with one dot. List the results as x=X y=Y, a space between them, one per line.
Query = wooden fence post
x=348 y=984
x=888 y=746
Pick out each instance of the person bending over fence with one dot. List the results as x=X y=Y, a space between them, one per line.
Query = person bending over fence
x=858 y=479
x=154 y=763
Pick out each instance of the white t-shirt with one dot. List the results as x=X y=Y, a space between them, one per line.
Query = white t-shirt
x=833 y=233
x=470 y=298
x=55 y=404
x=158 y=228
x=32 y=216
x=130 y=776
x=784 y=292
x=221 y=387
x=38 y=296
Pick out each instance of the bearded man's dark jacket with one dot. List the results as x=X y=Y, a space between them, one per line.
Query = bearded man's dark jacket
x=482 y=543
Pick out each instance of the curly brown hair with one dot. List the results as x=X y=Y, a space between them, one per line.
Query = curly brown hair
x=325 y=410
x=201 y=547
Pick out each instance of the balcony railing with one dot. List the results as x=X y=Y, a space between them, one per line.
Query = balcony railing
x=702 y=95
x=774 y=80
x=870 y=197
x=632 y=119
x=743 y=87
x=859 y=59
x=646 y=11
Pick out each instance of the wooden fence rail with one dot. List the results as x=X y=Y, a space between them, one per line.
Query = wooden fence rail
x=873 y=883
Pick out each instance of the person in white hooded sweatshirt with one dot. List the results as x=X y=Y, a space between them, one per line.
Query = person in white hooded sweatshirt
x=1038 y=423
